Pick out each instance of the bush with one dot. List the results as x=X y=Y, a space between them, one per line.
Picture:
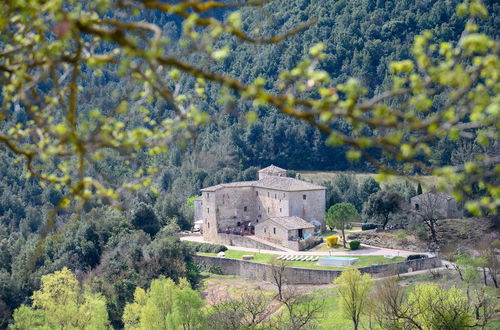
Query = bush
x=205 y=247
x=331 y=241
x=354 y=245
x=416 y=256
x=368 y=226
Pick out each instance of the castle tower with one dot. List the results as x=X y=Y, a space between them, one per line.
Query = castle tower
x=272 y=171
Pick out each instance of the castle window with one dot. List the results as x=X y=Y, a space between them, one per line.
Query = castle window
x=267 y=210
x=280 y=209
x=274 y=230
x=238 y=224
x=275 y=196
x=208 y=195
x=208 y=224
x=208 y=210
x=304 y=197
x=417 y=207
x=264 y=230
x=268 y=194
x=245 y=208
x=256 y=193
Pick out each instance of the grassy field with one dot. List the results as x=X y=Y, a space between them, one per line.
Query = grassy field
x=363 y=261
x=322 y=176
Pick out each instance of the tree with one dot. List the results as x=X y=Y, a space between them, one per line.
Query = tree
x=440 y=308
x=488 y=248
x=382 y=204
x=165 y=305
x=339 y=215
x=429 y=212
x=354 y=290
x=247 y=311
x=145 y=219
x=419 y=189
x=429 y=306
x=279 y=269
x=62 y=303
x=368 y=186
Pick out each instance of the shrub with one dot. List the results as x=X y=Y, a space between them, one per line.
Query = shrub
x=368 y=226
x=401 y=235
x=205 y=247
x=354 y=245
x=416 y=256
x=331 y=241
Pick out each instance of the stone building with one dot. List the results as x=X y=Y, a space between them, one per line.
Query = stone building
x=282 y=230
x=239 y=207
x=437 y=205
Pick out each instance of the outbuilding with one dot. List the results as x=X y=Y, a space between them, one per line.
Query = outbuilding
x=281 y=230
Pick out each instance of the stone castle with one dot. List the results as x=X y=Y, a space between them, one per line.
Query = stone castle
x=274 y=208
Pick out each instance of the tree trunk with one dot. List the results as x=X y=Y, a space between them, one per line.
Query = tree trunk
x=433 y=231
x=493 y=276
x=484 y=277
x=385 y=222
x=344 y=238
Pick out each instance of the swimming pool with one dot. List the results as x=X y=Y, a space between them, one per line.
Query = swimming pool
x=336 y=261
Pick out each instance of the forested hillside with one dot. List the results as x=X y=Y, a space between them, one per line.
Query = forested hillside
x=117 y=250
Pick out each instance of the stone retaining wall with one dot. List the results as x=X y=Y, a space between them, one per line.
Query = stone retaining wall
x=258 y=271
x=237 y=240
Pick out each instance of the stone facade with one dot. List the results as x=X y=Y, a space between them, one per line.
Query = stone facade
x=238 y=207
x=280 y=230
x=433 y=204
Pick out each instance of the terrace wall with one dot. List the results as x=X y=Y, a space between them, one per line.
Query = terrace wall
x=263 y=272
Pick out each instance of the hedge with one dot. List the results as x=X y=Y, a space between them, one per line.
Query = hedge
x=205 y=247
x=416 y=256
x=368 y=226
x=354 y=245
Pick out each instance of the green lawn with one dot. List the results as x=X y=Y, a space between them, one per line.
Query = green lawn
x=265 y=258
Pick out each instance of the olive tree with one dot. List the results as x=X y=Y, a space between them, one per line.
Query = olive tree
x=339 y=215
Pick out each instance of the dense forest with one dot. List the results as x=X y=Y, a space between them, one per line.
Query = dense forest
x=115 y=250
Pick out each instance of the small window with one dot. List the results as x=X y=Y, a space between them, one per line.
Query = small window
x=238 y=224
x=417 y=207
x=304 y=197
x=284 y=195
x=208 y=195
x=274 y=230
x=280 y=209
x=268 y=194
x=256 y=193
x=208 y=210
x=275 y=196
x=208 y=224
x=257 y=220
x=245 y=208
x=264 y=230
x=267 y=210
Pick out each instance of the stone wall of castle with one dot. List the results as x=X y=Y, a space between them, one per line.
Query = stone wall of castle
x=308 y=205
